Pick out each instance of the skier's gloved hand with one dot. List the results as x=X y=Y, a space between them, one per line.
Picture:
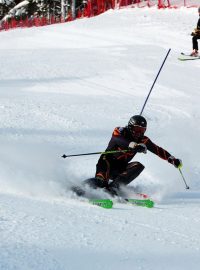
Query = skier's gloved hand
x=176 y=162
x=138 y=148
x=132 y=146
x=141 y=148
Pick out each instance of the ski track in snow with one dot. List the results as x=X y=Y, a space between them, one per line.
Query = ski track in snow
x=63 y=90
x=33 y=237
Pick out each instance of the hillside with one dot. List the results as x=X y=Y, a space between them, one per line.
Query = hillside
x=63 y=88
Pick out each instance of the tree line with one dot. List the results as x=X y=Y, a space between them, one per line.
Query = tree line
x=39 y=8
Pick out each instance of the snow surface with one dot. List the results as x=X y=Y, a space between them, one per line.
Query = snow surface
x=63 y=88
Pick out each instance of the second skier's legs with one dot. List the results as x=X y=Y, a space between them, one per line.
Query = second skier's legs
x=195 y=45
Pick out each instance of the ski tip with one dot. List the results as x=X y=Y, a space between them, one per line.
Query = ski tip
x=144 y=202
x=150 y=204
x=143 y=195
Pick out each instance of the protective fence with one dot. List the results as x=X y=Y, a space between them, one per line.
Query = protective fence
x=160 y=3
x=178 y=3
x=94 y=8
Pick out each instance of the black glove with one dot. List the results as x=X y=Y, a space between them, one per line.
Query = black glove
x=176 y=162
x=138 y=148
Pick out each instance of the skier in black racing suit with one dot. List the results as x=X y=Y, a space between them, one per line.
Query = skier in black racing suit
x=115 y=169
x=195 y=36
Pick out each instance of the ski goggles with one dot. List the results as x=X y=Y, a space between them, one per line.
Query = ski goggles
x=138 y=129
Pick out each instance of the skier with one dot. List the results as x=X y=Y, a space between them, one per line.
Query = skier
x=117 y=166
x=195 y=36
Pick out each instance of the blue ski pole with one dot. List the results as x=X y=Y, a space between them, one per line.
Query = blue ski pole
x=154 y=82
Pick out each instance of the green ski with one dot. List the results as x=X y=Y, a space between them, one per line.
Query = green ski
x=108 y=204
x=145 y=203
x=105 y=203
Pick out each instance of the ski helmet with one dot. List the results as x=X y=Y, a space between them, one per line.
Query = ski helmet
x=137 y=125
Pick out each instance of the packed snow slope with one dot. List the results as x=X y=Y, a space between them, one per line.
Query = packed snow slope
x=63 y=89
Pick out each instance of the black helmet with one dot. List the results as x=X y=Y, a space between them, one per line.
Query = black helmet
x=137 y=125
x=137 y=120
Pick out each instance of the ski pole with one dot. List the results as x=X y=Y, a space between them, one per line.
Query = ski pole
x=155 y=81
x=96 y=153
x=186 y=186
